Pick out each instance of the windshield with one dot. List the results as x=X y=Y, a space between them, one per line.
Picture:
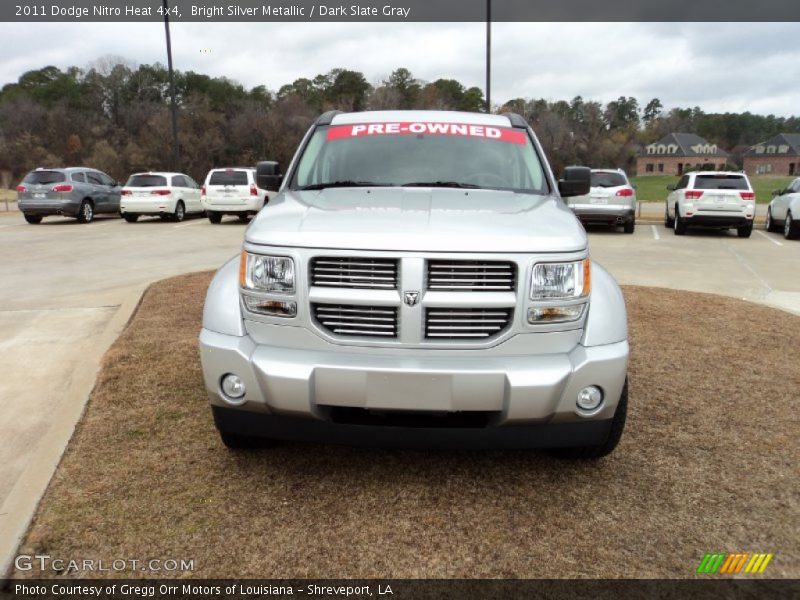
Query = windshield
x=720 y=182
x=607 y=179
x=420 y=154
x=146 y=181
x=44 y=177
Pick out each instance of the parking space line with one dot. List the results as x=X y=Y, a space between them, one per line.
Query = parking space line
x=747 y=266
x=198 y=221
x=765 y=236
x=656 y=235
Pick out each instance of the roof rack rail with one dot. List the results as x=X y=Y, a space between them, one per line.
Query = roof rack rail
x=515 y=119
x=327 y=117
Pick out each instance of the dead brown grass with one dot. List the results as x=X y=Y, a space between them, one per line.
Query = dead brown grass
x=709 y=462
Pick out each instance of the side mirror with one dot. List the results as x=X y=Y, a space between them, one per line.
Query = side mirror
x=268 y=175
x=777 y=192
x=576 y=182
x=671 y=187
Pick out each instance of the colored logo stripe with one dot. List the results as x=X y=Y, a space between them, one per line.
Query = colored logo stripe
x=732 y=564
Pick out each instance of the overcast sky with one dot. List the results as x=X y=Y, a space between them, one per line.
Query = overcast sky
x=719 y=67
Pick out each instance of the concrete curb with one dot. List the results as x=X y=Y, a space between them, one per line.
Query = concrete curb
x=21 y=504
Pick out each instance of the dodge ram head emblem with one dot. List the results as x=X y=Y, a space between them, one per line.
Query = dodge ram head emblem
x=411 y=298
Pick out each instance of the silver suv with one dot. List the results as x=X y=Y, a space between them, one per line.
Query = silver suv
x=77 y=192
x=611 y=200
x=717 y=199
x=418 y=280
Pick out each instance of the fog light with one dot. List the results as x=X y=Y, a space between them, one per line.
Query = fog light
x=589 y=398
x=233 y=386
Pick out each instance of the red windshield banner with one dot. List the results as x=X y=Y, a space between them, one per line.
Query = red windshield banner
x=501 y=134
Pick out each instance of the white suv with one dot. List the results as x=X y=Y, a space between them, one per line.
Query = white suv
x=168 y=195
x=232 y=191
x=611 y=200
x=718 y=199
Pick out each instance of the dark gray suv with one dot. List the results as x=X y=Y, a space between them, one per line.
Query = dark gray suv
x=77 y=192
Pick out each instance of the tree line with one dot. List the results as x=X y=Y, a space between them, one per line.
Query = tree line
x=114 y=116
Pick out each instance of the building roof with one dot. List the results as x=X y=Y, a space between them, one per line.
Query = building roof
x=683 y=144
x=783 y=144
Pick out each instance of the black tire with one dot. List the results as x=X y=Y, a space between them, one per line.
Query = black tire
x=770 y=224
x=236 y=441
x=33 y=219
x=244 y=217
x=745 y=232
x=668 y=222
x=678 y=225
x=791 y=228
x=130 y=217
x=86 y=212
x=614 y=434
x=214 y=217
x=180 y=212
x=629 y=226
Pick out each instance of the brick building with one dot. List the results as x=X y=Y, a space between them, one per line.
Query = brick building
x=779 y=155
x=679 y=152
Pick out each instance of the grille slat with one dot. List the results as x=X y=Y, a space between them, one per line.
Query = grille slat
x=351 y=320
x=466 y=323
x=471 y=276
x=358 y=273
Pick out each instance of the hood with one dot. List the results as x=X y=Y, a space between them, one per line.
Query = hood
x=418 y=220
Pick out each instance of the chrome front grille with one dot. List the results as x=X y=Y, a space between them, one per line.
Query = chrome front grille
x=466 y=323
x=471 y=276
x=360 y=273
x=360 y=321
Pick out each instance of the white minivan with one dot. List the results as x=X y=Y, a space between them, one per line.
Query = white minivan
x=232 y=191
x=168 y=195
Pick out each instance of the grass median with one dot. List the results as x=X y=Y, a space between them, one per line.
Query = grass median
x=708 y=463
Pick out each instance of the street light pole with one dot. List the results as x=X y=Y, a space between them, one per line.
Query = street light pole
x=488 y=56
x=173 y=104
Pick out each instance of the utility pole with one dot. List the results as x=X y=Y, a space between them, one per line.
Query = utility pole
x=173 y=104
x=488 y=56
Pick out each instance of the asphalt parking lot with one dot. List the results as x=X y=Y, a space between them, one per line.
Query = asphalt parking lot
x=69 y=289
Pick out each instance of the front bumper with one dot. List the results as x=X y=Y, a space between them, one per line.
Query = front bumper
x=537 y=391
x=68 y=208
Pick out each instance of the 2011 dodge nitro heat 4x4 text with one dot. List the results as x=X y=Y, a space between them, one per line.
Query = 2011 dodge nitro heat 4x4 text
x=418 y=281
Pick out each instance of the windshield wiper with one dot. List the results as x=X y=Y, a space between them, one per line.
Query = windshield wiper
x=343 y=183
x=452 y=184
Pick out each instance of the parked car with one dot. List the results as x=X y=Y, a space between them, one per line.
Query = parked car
x=418 y=280
x=718 y=199
x=232 y=191
x=78 y=192
x=611 y=200
x=783 y=212
x=168 y=195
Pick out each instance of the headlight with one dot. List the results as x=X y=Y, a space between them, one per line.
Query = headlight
x=264 y=273
x=561 y=281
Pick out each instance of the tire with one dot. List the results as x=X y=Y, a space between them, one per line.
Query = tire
x=33 y=219
x=130 y=217
x=614 y=434
x=791 y=229
x=745 y=231
x=244 y=217
x=236 y=441
x=668 y=223
x=86 y=212
x=629 y=226
x=180 y=212
x=678 y=226
x=214 y=217
x=770 y=224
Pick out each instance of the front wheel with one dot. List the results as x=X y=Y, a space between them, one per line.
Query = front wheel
x=769 y=223
x=614 y=434
x=791 y=229
x=86 y=212
x=180 y=212
x=33 y=219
